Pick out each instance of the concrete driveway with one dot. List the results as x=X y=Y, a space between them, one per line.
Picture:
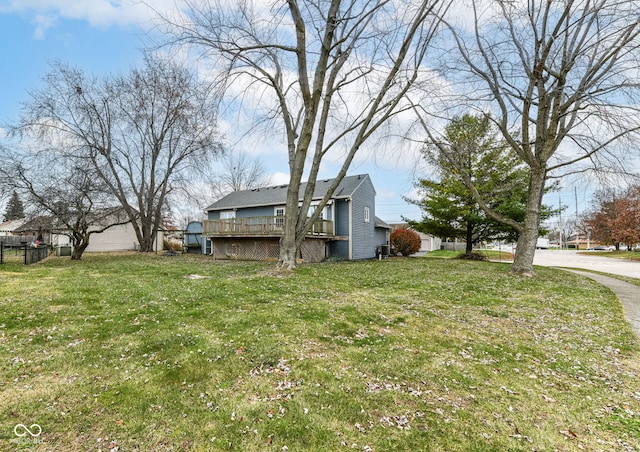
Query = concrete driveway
x=588 y=260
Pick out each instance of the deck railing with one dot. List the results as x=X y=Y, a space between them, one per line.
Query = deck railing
x=260 y=226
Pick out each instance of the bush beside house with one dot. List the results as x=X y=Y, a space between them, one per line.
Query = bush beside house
x=405 y=241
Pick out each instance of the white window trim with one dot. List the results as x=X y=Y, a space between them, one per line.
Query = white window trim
x=367 y=215
x=314 y=206
x=279 y=217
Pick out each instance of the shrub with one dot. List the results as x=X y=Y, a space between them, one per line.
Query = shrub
x=405 y=241
x=473 y=257
x=171 y=245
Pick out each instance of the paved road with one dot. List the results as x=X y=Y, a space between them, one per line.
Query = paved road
x=587 y=261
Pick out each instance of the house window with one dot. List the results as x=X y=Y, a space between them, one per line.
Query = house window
x=366 y=214
x=229 y=216
x=279 y=216
x=312 y=209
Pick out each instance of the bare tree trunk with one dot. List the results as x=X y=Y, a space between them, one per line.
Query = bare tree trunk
x=148 y=236
x=528 y=238
x=80 y=243
x=288 y=240
x=287 y=259
x=78 y=251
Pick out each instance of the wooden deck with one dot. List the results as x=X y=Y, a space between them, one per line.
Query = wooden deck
x=259 y=227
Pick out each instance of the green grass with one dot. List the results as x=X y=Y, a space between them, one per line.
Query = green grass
x=135 y=352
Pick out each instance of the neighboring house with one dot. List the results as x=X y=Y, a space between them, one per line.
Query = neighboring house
x=248 y=224
x=38 y=228
x=429 y=242
x=116 y=238
x=8 y=227
x=9 y=236
x=120 y=237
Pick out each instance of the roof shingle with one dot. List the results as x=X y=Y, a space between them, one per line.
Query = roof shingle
x=276 y=195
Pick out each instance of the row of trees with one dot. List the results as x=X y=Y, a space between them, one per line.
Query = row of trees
x=101 y=152
x=615 y=219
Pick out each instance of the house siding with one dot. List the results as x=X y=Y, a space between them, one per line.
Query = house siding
x=261 y=211
x=116 y=238
x=340 y=248
x=381 y=237
x=363 y=242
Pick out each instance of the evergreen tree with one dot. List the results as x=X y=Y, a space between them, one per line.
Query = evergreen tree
x=15 y=209
x=448 y=206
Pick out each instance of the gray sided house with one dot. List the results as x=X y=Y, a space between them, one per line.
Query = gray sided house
x=248 y=224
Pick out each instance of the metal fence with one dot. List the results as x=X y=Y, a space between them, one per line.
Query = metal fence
x=30 y=254
x=35 y=254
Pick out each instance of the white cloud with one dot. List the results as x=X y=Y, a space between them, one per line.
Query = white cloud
x=47 y=14
x=42 y=24
x=279 y=178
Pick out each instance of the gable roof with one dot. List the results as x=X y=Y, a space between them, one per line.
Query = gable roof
x=276 y=195
x=11 y=225
x=40 y=223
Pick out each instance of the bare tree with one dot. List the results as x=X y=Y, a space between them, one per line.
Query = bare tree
x=239 y=172
x=562 y=80
x=331 y=72
x=140 y=131
x=233 y=171
x=64 y=188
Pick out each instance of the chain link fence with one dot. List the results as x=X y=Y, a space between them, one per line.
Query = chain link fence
x=30 y=254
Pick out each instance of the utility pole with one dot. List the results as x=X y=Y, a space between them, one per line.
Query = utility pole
x=560 y=227
x=575 y=228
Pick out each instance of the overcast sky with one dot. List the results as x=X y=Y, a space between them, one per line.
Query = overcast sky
x=107 y=36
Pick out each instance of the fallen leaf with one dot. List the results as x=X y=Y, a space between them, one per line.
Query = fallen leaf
x=569 y=433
